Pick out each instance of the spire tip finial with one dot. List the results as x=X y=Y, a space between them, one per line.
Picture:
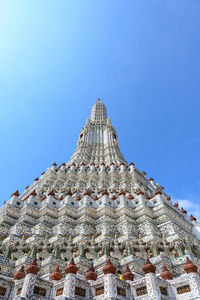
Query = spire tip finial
x=99 y=113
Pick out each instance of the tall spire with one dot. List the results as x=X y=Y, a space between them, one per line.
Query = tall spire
x=98 y=140
x=99 y=113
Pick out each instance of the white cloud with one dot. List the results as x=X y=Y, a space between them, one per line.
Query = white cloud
x=191 y=206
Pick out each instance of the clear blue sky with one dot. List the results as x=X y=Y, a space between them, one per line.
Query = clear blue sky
x=141 y=57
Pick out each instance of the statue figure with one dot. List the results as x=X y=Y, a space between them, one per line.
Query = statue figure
x=92 y=254
x=20 y=250
x=187 y=245
x=140 y=247
x=100 y=253
x=124 y=252
x=76 y=253
x=8 y=252
x=81 y=251
x=33 y=252
x=106 y=250
x=164 y=247
x=56 y=252
x=154 y=248
x=68 y=254
x=129 y=250
x=117 y=252
x=177 y=248
x=45 y=250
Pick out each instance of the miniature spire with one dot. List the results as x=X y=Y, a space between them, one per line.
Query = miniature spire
x=91 y=274
x=69 y=193
x=71 y=268
x=105 y=193
x=166 y=274
x=33 y=193
x=140 y=192
x=148 y=267
x=20 y=274
x=56 y=275
x=122 y=193
x=33 y=268
x=109 y=268
x=192 y=218
x=189 y=267
x=16 y=193
x=157 y=192
x=51 y=193
x=87 y=193
x=128 y=275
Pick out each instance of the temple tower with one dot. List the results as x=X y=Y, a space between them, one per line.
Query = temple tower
x=84 y=229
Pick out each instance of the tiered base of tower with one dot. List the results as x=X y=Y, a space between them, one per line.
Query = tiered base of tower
x=91 y=228
x=74 y=231
x=70 y=285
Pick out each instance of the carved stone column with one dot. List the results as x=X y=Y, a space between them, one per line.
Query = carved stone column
x=153 y=289
x=19 y=275
x=91 y=276
x=29 y=281
x=110 y=287
x=193 y=278
x=110 y=281
x=70 y=281
x=194 y=281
